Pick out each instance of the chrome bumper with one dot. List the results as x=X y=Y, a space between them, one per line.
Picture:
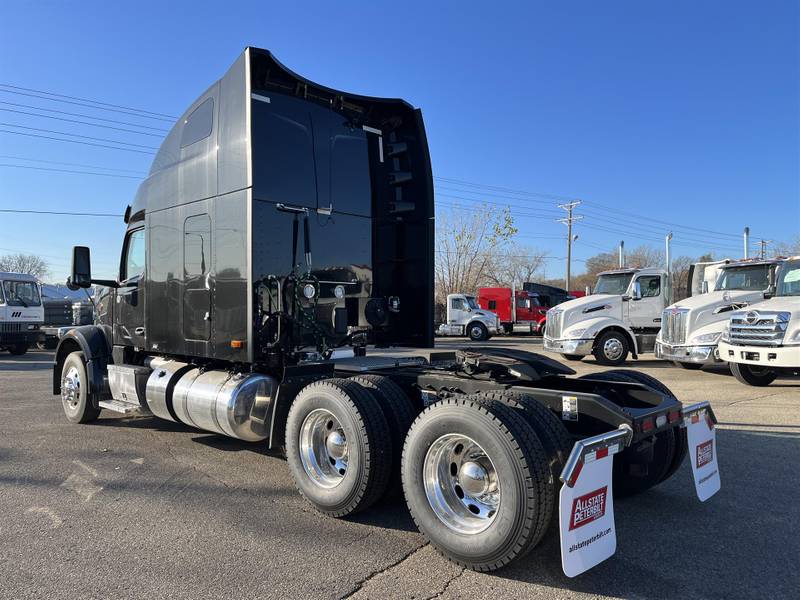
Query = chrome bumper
x=763 y=356
x=581 y=347
x=703 y=355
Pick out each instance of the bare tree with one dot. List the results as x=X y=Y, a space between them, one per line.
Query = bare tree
x=790 y=248
x=467 y=246
x=30 y=264
x=515 y=265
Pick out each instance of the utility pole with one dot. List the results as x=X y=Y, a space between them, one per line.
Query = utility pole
x=568 y=221
x=764 y=248
x=667 y=241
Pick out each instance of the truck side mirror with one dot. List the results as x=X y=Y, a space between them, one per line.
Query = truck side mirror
x=637 y=291
x=81 y=268
x=704 y=287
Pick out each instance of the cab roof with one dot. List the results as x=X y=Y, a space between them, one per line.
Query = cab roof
x=645 y=270
x=17 y=276
x=744 y=262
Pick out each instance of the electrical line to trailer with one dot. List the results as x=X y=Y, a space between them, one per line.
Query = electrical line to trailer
x=30 y=114
x=146 y=114
x=47 y=137
x=71 y=171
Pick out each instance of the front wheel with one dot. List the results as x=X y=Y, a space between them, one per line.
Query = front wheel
x=575 y=357
x=753 y=375
x=477 y=332
x=476 y=482
x=611 y=348
x=18 y=349
x=75 y=397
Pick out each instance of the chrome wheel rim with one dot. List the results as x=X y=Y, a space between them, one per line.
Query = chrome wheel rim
x=71 y=389
x=475 y=332
x=323 y=448
x=612 y=349
x=461 y=484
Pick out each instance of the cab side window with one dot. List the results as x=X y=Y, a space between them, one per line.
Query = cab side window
x=134 y=261
x=650 y=285
x=458 y=304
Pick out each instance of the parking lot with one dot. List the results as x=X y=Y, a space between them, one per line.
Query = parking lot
x=137 y=507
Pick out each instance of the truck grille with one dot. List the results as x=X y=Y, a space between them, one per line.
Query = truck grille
x=754 y=328
x=13 y=327
x=555 y=320
x=673 y=325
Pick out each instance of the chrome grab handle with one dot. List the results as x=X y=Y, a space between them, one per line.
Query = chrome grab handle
x=622 y=436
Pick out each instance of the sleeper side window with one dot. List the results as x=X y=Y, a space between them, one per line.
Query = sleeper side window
x=198 y=124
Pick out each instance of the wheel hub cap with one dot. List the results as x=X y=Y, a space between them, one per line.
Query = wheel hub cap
x=323 y=448
x=461 y=484
x=71 y=388
x=612 y=349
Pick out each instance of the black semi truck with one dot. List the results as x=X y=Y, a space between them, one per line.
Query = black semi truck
x=276 y=286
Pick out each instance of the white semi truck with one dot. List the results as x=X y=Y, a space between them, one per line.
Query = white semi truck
x=21 y=312
x=621 y=317
x=466 y=318
x=691 y=328
x=763 y=340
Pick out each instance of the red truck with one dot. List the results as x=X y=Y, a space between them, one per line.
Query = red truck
x=526 y=315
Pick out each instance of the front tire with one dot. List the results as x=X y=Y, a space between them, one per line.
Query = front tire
x=752 y=375
x=477 y=332
x=574 y=357
x=611 y=349
x=338 y=447
x=75 y=396
x=476 y=482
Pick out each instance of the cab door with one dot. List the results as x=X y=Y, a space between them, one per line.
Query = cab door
x=458 y=313
x=645 y=312
x=197 y=283
x=128 y=327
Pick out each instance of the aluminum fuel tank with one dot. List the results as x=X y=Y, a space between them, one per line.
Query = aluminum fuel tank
x=236 y=405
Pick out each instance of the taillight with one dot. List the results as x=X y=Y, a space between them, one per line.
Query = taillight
x=674 y=416
x=647 y=424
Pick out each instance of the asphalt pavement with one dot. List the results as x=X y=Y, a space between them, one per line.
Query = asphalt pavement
x=134 y=507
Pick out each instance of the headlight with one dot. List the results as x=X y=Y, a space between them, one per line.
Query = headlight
x=725 y=336
x=309 y=291
x=31 y=327
x=338 y=291
x=705 y=338
x=795 y=339
x=575 y=333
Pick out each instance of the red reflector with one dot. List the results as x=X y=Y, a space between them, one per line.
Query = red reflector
x=647 y=424
x=602 y=453
x=674 y=416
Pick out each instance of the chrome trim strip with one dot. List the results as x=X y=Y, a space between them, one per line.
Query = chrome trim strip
x=624 y=435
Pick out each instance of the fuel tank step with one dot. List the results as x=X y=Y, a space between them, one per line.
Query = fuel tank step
x=125 y=408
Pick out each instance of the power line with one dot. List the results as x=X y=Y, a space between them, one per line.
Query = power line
x=69 y=171
x=144 y=113
x=72 y=114
x=22 y=112
x=56 y=212
x=47 y=137
x=55 y=162
x=85 y=137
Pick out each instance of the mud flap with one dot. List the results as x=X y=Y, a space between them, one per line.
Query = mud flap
x=586 y=502
x=699 y=421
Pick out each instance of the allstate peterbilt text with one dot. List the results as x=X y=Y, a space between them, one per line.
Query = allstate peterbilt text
x=21 y=312
x=691 y=328
x=283 y=228
x=762 y=341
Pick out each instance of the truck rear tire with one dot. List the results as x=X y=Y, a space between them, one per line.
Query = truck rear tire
x=18 y=349
x=632 y=476
x=611 y=348
x=475 y=480
x=477 y=332
x=75 y=397
x=338 y=446
x=399 y=413
x=575 y=357
x=752 y=375
x=687 y=365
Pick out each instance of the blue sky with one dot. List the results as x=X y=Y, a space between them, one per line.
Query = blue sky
x=686 y=112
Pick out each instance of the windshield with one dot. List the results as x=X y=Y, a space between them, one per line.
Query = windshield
x=21 y=293
x=752 y=277
x=789 y=279
x=471 y=302
x=616 y=284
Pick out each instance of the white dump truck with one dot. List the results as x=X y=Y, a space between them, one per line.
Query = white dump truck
x=21 y=312
x=763 y=340
x=621 y=317
x=690 y=328
x=466 y=318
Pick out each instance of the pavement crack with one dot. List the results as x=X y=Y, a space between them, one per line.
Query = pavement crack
x=447 y=585
x=360 y=585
